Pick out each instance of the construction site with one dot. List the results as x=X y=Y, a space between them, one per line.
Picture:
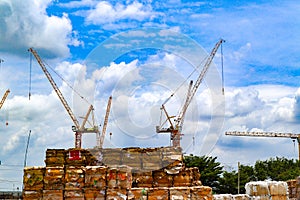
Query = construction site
x=133 y=173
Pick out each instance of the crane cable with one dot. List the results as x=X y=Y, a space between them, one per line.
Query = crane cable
x=188 y=77
x=30 y=71
x=7 y=113
x=222 y=68
x=68 y=84
x=195 y=69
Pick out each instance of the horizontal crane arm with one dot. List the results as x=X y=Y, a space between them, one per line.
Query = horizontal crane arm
x=262 y=134
x=268 y=134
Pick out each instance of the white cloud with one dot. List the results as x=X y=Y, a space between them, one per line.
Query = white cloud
x=106 y=13
x=241 y=53
x=262 y=111
x=68 y=71
x=78 y=4
x=26 y=24
x=253 y=107
x=243 y=101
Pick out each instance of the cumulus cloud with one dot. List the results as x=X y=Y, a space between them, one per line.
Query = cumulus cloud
x=244 y=101
x=258 y=108
x=106 y=13
x=252 y=107
x=296 y=105
x=78 y=4
x=26 y=24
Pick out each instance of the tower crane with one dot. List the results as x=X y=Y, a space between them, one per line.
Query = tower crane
x=101 y=141
x=268 y=134
x=77 y=128
x=4 y=98
x=176 y=128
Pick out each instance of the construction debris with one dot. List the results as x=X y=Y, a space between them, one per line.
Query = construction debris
x=113 y=174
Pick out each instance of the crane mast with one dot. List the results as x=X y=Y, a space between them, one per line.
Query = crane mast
x=77 y=128
x=101 y=141
x=175 y=136
x=4 y=97
x=175 y=130
x=267 y=134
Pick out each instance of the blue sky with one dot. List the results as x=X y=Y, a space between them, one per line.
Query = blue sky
x=261 y=71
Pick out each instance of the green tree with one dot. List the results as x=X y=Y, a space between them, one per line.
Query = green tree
x=223 y=182
x=228 y=183
x=246 y=175
x=277 y=169
x=261 y=170
x=229 y=180
x=209 y=168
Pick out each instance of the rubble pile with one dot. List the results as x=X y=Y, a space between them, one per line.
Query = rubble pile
x=113 y=174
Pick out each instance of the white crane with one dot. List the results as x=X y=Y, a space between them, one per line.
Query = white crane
x=77 y=128
x=268 y=134
x=101 y=140
x=175 y=129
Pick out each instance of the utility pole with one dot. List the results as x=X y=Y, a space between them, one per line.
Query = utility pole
x=238 y=177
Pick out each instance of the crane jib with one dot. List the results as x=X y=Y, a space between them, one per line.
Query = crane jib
x=176 y=130
x=76 y=128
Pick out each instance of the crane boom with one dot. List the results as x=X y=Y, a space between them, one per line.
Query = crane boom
x=262 y=134
x=91 y=108
x=56 y=89
x=105 y=122
x=267 y=134
x=79 y=130
x=199 y=81
x=4 y=97
x=185 y=106
x=176 y=131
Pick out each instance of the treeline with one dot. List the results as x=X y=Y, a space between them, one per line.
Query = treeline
x=224 y=182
